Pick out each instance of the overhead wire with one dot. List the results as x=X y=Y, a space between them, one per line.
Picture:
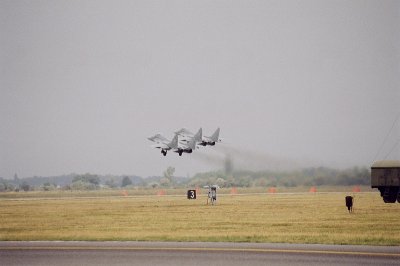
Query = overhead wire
x=394 y=146
x=387 y=136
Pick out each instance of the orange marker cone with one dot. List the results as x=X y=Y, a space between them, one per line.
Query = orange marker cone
x=313 y=189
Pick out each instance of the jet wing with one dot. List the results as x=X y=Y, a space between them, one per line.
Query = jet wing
x=184 y=132
x=158 y=138
x=160 y=146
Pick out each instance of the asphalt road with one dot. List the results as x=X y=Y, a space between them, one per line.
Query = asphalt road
x=192 y=253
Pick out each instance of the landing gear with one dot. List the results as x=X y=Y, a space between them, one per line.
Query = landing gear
x=180 y=153
x=164 y=152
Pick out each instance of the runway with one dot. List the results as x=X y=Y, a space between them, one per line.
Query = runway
x=191 y=253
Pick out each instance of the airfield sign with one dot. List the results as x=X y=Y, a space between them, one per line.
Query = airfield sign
x=191 y=194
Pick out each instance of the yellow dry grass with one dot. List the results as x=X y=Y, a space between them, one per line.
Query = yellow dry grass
x=290 y=218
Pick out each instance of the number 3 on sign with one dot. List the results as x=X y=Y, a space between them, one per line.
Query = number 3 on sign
x=191 y=194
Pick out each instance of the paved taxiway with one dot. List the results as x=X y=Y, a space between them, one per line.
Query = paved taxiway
x=192 y=253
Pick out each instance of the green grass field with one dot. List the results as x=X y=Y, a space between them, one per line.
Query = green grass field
x=290 y=218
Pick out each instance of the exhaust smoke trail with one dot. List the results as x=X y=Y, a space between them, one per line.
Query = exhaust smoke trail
x=211 y=159
x=246 y=159
x=238 y=158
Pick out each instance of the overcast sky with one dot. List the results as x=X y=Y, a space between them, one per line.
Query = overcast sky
x=300 y=83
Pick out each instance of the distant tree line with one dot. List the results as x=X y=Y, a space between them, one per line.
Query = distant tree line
x=305 y=177
x=69 y=182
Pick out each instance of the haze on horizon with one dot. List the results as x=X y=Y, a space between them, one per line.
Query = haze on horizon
x=290 y=84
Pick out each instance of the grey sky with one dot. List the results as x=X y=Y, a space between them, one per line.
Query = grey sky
x=84 y=83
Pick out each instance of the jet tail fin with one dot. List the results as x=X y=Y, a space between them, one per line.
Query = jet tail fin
x=174 y=143
x=215 y=137
x=192 y=144
x=199 y=135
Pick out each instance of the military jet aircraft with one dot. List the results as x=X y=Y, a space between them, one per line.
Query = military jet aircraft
x=184 y=141
x=163 y=143
x=186 y=135
x=186 y=148
x=214 y=138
